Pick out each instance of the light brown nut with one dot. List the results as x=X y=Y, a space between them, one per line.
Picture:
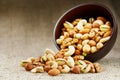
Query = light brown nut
x=86 y=48
x=62 y=46
x=38 y=69
x=100 y=33
x=108 y=33
x=108 y=23
x=103 y=40
x=60 y=68
x=59 y=55
x=53 y=72
x=78 y=57
x=91 y=20
x=62 y=37
x=47 y=62
x=23 y=63
x=83 y=31
x=70 y=62
x=84 y=42
x=70 y=51
x=101 y=18
x=87 y=62
x=99 y=45
x=68 y=25
x=54 y=64
x=66 y=34
x=47 y=68
x=96 y=30
x=79 y=47
x=98 y=67
x=88 y=26
x=29 y=66
x=81 y=64
x=49 y=51
x=76 y=69
x=97 y=38
x=97 y=23
x=75 y=23
x=59 y=41
x=86 y=69
x=92 y=68
x=85 y=36
x=74 y=41
x=67 y=40
x=28 y=60
x=50 y=57
x=81 y=23
x=38 y=63
x=75 y=29
x=91 y=34
x=92 y=43
x=63 y=50
x=43 y=59
x=105 y=28
x=93 y=49
x=71 y=33
x=60 y=61
x=65 y=69
x=77 y=35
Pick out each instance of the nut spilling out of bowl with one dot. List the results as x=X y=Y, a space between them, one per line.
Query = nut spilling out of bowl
x=60 y=62
x=85 y=36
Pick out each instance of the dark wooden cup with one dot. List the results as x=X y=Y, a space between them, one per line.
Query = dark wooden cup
x=86 y=11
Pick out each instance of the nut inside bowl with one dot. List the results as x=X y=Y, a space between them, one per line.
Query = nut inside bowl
x=86 y=11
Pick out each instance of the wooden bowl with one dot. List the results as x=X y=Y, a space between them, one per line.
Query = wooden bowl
x=86 y=11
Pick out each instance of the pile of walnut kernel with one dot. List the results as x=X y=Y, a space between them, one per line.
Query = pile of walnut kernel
x=78 y=39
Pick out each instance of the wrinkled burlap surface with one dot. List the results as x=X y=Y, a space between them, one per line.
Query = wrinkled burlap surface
x=26 y=28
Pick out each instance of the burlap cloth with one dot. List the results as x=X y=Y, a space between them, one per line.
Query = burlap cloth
x=26 y=28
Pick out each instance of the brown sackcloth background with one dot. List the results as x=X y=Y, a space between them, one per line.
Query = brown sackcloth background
x=26 y=28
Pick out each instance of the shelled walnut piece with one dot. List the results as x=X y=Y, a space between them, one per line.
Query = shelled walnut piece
x=88 y=36
x=54 y=64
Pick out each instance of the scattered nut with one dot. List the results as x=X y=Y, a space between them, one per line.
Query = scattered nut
x=61 y=61
x=53 y=72
x=70 y=51
x=76 y=69
x=65 y=69
x=29 y=66
x=86 y=69
x=97 y=67
x=47 y=68
x=37 y=69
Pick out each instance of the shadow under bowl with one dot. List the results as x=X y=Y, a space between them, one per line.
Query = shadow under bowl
x=86 y=11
